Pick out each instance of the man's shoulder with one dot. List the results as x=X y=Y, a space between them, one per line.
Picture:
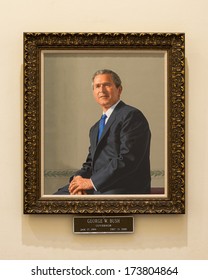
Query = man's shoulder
x=125 y=111
x=123 y=108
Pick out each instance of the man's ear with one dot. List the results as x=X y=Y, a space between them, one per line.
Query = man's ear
x=120 y=89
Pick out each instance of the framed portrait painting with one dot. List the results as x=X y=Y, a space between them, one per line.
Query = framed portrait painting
x=59 y=110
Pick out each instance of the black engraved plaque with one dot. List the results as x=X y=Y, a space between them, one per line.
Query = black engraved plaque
x=103 y=224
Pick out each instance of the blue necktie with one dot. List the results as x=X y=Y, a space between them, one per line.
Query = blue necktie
x=101 y=126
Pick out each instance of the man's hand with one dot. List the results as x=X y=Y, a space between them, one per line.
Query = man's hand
x=79 y=185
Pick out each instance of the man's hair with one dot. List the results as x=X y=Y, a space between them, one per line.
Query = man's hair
x=116 y=79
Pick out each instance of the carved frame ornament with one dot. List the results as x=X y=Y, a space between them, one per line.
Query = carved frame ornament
x=174 y=45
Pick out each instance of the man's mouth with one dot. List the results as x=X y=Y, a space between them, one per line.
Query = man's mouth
x=103 y=96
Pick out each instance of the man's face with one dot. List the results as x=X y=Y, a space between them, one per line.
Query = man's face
x=105 y=91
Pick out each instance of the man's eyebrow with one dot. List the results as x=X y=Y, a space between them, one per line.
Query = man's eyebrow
x=104 y=83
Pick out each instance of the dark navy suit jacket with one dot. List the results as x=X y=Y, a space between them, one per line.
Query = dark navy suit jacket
x=119 y=163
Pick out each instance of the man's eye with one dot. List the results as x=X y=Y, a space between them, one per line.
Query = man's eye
x=107 y=85
x=103 y=85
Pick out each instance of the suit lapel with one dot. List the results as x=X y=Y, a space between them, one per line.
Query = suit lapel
x=94 y=138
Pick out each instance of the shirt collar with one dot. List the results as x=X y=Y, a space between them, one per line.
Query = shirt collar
x=110 y=110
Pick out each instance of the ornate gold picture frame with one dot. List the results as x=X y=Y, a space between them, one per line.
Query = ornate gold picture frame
x=158 y=63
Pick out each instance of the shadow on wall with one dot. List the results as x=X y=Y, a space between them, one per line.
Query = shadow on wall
x=151 y=232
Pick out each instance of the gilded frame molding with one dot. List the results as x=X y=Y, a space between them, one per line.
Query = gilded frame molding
x=174 y=45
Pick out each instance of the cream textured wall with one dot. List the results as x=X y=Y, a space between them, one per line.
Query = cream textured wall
x=156 y=236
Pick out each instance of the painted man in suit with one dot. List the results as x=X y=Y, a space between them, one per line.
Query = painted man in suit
x=118 y=162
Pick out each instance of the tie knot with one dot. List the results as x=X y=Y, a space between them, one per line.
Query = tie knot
x=103 y=117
